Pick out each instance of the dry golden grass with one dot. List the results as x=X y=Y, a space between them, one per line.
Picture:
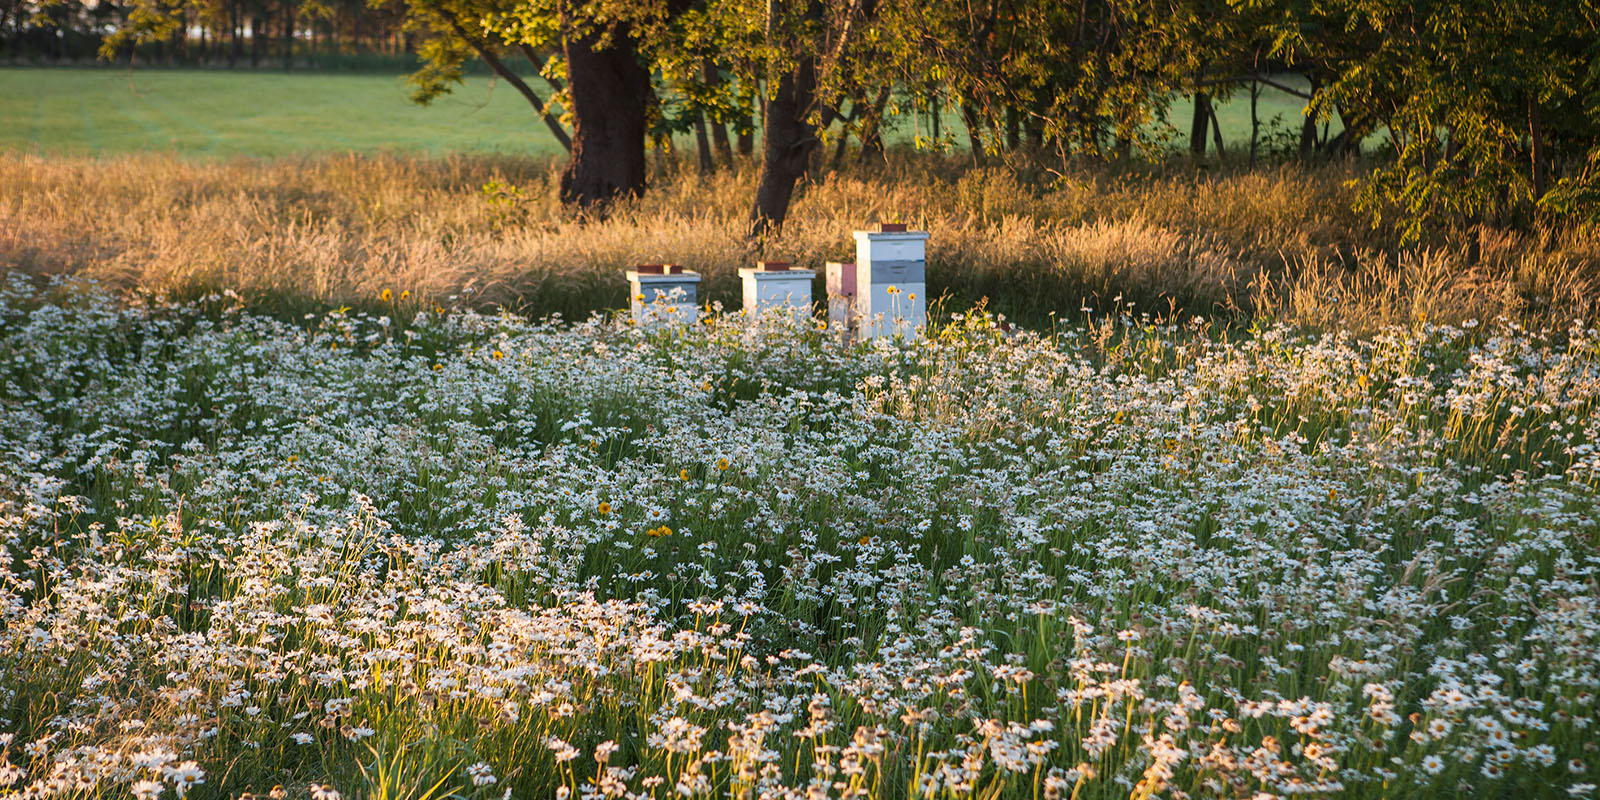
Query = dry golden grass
x=1279 y=242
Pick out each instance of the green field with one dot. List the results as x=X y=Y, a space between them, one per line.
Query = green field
x=222 y=114
x=225 y=114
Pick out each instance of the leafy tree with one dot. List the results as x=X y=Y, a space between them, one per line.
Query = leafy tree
x=1483 y=101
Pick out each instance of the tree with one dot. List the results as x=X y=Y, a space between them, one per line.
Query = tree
x=1483 y=101
x=802 y=52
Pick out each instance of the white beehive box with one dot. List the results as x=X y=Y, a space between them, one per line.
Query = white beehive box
x=891 y=281
x=776 y=286
x=662 y=294
x=841 y=279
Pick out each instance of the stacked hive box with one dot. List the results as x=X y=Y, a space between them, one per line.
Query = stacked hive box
x=663 y=294
x=891 y=284
x=775 y=286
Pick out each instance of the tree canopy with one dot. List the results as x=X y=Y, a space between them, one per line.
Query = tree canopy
x=1475 y=111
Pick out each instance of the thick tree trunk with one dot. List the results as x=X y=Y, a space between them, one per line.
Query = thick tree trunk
x=610 y=96
x=1197 y=123
x=787 y=144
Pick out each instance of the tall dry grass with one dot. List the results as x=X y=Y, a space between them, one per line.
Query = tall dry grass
x=340 y=229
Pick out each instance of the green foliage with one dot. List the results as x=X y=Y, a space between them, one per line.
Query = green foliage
x=1483 y=102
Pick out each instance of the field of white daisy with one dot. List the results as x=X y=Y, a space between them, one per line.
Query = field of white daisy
x=433 y=553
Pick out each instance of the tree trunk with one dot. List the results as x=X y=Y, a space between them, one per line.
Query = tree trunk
x=288 y=36
x=872 y=127
x=1013 y=129
x=1536 y=148
x=1216 y=132
x=969 y=117
x=786 y=147
x=1255 y=122
x=1308 y=128
x=1348 y=142
x=747 y=136
x=257 y=27
x=702 y=144
x=610 y=96
x=719 y=140
x=236 y=49
x=711 y=77
x=1197 y=124
x=844 y=135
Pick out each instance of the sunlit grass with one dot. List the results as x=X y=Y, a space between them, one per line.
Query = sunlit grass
x=299 y=235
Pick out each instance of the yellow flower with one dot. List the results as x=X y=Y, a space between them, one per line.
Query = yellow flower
x=864 y=540
x=405 y=295
x=894 y=290
x=604 y=509
x=1118 y=419
x=438 y=309
x=911 y=296
x=499 y=355
x=387 y=295
x=659 y=532
x=722 y=464
x=683 y=474
x=437 y=367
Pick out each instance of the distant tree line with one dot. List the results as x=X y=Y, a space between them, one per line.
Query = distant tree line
x=339 y=34
x=1489 y=110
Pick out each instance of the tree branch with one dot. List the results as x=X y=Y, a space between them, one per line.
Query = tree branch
x=1258 y=78
x=487 y=54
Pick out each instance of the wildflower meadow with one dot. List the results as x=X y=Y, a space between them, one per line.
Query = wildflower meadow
x=419 y=551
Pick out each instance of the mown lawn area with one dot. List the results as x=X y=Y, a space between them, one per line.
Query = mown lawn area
x=214 y=113
x=246 y=113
